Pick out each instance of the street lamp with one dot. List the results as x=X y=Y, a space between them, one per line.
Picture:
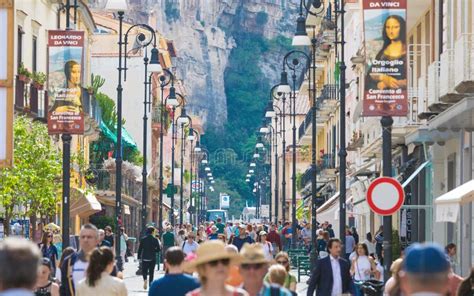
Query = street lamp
x=204 y=161
x=183 y=121
x=165 y=80
x=273 y=142
x=294 y=56
x=120 y=6
x=172 y=101
x=270 y=113
x=276 y=95
x=150 y=69
x=193 y=134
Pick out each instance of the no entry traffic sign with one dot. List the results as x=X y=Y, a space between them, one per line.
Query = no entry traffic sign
x=385 y=196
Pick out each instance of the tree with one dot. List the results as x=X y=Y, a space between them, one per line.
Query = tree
x=34 y=179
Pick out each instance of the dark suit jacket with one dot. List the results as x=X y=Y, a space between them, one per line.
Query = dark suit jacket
x=148 y=248
x=321 y=278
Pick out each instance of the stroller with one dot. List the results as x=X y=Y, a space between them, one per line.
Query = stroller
x=372 y=288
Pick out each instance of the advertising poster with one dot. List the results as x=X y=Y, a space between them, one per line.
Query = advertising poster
x=65 y=110
x=385 y=91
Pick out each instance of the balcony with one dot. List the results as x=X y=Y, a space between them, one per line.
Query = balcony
x=326 y=104
x=447 y=92
x=357 y=141
x=30 y=99
x=325 y=168
x=464 y=64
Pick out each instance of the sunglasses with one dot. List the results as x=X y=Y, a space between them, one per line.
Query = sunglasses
x=251 y=266
x=50 y=236
x=282 y=262
x=214 y=263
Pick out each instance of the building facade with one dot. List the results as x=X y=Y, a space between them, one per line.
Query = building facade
x=431 y=146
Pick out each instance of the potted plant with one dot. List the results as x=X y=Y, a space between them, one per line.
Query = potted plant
x=23 y=74
x=90 y=90
x=39 y=78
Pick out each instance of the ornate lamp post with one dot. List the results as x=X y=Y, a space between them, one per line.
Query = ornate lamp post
x=154 y=67
x=193 y=134
x=172 y=101
x=301 y=39
x=183 y=121
x=165 y=80
x=120 y=6
x=295 y=64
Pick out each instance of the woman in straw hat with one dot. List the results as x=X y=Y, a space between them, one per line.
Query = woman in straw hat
x=213 y=266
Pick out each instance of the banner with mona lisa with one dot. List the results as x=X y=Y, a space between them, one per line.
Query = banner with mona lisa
x=65 y=110
x=385 y=91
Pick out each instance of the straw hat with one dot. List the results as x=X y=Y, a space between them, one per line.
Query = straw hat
x=252 y=254
x=210 y=251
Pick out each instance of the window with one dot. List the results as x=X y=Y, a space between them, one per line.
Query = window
x=19 y=52
x=34 y=54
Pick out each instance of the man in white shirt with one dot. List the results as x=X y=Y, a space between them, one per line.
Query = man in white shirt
x=190 y=245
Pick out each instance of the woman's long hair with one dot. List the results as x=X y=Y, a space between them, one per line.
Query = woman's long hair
x=99 y=260
x=364 y=246
x=402 y=36
x=44 y=239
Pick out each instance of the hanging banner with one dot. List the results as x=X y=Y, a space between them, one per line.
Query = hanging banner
x=385 y=91
x=65 y=110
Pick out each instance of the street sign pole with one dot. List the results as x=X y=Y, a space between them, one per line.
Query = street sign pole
x=387 y=122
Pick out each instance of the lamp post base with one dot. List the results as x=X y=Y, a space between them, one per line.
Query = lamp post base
x=119 y=262
x=313 y=257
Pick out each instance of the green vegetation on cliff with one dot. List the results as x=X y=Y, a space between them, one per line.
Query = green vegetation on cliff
x=247 y=91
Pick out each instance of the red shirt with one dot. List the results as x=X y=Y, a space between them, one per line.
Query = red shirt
x=274 y=238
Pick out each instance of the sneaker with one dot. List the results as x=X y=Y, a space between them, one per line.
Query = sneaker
x=145 y=285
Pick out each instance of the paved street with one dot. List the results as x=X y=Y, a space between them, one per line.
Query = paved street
x=135 y=283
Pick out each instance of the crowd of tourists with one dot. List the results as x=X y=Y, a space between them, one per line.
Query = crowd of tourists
x=217 y=258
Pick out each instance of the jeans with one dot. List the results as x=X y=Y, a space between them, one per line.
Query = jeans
x=148 y=268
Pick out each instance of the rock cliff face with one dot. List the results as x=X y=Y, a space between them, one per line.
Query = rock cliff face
x=204 y=33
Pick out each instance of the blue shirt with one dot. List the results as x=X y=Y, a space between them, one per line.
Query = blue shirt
x=239 y=242
x=173 y=284
x=267 y=290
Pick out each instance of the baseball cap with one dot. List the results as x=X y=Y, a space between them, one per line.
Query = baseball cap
x=425 y=258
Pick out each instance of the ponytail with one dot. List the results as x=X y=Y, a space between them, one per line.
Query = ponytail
x=99 y=260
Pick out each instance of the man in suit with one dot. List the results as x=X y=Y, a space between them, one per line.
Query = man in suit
x=331 y=275
x=147 y=250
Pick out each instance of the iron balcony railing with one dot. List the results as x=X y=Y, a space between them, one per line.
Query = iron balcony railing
x=30 y=99
x=327 y=161
x=328 y=92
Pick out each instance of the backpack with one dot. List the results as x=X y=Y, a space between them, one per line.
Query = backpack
x=275 y=290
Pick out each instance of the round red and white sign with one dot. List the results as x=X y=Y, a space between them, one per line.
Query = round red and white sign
x=385 y=196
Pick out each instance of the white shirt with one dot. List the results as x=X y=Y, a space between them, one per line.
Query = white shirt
x=268 y=249
x=190 y=247
x=79 y=271
x=362 y=268
x=336 y=275
x=228 y=232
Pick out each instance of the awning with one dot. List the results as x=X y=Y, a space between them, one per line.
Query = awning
x=415 y=173
x=448 y=204
x=127 y=140
x=85 y=205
